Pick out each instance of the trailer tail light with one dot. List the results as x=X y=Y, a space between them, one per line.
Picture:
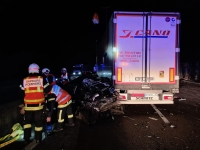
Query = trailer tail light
x=119 y=74
x=122 y=96
x=171 y=74
x=168 y=97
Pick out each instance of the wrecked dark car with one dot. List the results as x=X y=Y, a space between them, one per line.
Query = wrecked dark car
x=93 y=97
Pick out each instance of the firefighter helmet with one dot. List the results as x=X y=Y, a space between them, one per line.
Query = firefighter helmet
x=45 y=70
x=33 y=68
x=64 y=69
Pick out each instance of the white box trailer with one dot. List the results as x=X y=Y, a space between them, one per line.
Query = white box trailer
x=142 y=49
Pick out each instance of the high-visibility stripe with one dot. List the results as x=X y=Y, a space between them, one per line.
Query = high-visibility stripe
x=38 y=89
x=27 y=126
x=51 y=99
x=64 y=98
x=33 y=108
x=46 y=85
x=70 y=116
x=38 y=128
x=171 y=74
x=33 y=91
x=34 y=101
x=59 y=117
x=119 y=74
x=65 y=105
x=27 y=89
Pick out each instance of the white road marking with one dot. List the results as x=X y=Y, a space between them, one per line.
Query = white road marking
x=33 y=144
x=160 y=114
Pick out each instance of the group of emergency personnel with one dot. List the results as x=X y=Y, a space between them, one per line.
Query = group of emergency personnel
x=38 y=90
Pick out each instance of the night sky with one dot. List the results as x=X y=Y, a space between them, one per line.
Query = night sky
x=57 y=36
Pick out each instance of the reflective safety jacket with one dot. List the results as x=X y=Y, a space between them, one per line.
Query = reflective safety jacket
x=62 y=96
x=34 y=90
x=64 y=76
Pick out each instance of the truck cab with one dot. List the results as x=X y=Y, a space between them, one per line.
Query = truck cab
x=78 y=70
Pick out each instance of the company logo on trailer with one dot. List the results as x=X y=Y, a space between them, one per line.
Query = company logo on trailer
x=145 y=34
x=167 y=19
x=127 y=34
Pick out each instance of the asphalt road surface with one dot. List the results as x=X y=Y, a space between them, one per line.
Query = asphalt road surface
x=142 y=127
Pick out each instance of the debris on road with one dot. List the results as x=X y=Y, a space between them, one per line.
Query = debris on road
x=128 y=117
x=149 y=136
x=152 y=118
x=182 y=99
x=172 y=126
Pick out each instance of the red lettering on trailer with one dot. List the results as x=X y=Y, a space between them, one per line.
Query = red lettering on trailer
x=137 y=95
x=153 y=32
x=127 y=34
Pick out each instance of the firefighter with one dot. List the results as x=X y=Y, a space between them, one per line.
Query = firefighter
x=50 y=78
x=63 y=98
x=64 y=76
x=50 y=98
x=33 y=89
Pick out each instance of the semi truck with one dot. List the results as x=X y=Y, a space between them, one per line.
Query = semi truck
x=79 y=69
x=143 y=50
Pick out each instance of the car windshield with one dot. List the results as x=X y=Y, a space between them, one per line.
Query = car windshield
x=76 y=70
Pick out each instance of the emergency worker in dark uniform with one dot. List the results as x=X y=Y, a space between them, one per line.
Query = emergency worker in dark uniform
x=64 y=108
x=33 y=89
x=50 y=99
x=50 y=78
